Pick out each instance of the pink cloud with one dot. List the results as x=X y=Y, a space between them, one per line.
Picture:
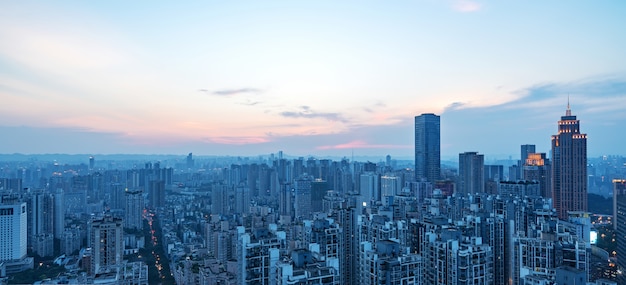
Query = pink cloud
x=466 y=6
x=360 y=144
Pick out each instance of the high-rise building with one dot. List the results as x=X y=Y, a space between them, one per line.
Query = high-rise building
x=40 y=214
x=537 y=168
x=389 y=186
x=134 y=209
x=471 y=173
x=13 y=223
x=319 y=188
x=106 y=238
x=59 y=213
x=427 y=147
x=156 y=193
x=369 y=189
x=92 y=163
x=569 y=166
x=258 y=253
x=302 y=196
x=619 y=193
x=619 y=223
x=220 y=199
x=525 y=150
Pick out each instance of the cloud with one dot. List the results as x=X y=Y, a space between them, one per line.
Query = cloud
x=233 y=92
x=466 y=6
x=308 y=113
x=531 y=117
x=362 y=144
x=237 y=140
x=250 y=103
x=454 y=106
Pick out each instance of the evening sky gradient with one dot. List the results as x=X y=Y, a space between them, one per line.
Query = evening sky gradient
x=326 y=78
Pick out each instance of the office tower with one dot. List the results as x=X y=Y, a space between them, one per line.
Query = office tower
x=13 y=236
x=134 y=209
x=569 y=166
x=427 y=147
x=92 y=163
x=537 y=168
x=471 y=173
x=619 y=223
x=106 y=238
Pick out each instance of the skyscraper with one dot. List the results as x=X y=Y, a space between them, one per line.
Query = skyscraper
x=427 y=147
x=471 y=173
x=569 y=166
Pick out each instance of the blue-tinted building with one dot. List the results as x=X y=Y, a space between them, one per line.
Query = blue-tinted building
x=427 y=147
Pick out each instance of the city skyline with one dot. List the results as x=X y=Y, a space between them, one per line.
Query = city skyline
x=308 y=78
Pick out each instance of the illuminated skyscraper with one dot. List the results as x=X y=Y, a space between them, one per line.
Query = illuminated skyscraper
x=569 y=166
x=427 y=147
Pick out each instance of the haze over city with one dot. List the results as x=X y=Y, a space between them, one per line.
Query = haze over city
x=308 y=78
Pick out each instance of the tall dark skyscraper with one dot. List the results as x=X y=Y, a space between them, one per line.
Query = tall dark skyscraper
x=427 y=147
x=569 y=166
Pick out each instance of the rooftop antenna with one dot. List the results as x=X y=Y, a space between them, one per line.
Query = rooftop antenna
x=569 y=111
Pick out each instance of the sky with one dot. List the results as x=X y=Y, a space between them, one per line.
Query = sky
x=320 y=78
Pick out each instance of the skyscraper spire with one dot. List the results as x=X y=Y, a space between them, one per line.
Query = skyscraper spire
x=568 y=112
